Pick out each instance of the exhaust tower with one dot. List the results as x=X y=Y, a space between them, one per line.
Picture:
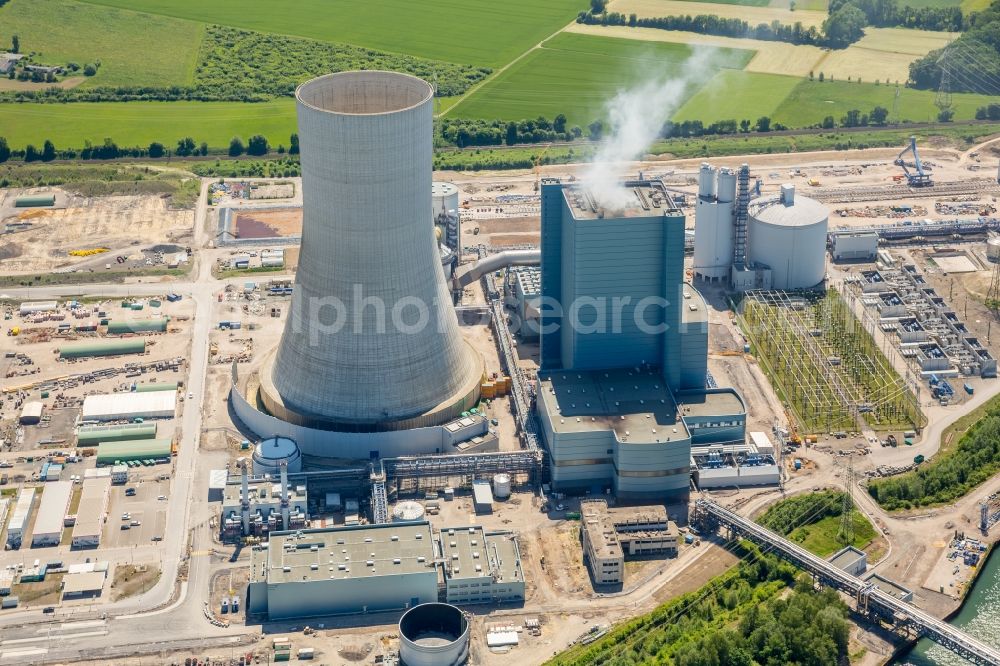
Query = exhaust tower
x=372 y=342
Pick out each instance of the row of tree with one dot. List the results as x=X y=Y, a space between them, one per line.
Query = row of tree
x=893 y=13
x=186 y=147
x=972 y=60
x=710 y=24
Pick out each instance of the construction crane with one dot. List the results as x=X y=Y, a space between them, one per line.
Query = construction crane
x=918 y=177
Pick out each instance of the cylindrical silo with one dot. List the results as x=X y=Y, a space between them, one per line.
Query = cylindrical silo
x=993 y=248
x=788 y=235
x=727 y=186
x=270 y=453
x=706 y=180
x=713 y=238
x=408 y=511
x=444 y=198
x=501 y=486
x=433 y=634
x=372 y=340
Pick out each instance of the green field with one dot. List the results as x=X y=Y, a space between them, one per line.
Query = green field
x=758 y=95
x=134 y=49
x=478 y=32
x=139 y=123
x=577 y=74
x=811 y=101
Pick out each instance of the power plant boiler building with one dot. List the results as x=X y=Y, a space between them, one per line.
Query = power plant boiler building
x=624 y=345
x=772 y=242
x=371 y=361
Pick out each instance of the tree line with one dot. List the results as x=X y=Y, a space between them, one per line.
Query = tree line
x=973 y=60
x=843 y=26
x=256 y=145
x=949 y=476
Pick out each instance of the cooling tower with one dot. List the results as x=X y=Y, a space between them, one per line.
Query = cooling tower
x=372 y=340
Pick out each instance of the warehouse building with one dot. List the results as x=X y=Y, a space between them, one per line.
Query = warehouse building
x=363 y=569
x=102 y=348
x=611 y=534
x=624 y=357
x=19 y=519
x=854 y=245
x=92 y=435
x=126 y=326
x=31 y=413
x=92 y=512
x=127 y=406
x=52 y=514
x=112 y=453
x=481 y=568
x=851 y=560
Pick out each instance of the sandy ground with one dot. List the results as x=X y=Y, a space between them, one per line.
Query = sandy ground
x=65 y=84
x=112 y=222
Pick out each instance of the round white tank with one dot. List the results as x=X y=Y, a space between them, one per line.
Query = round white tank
x=444 y=197
x=433 y=634
x=501 y=486
x=408 y=512
x=788 y=234
x=993 y=248
x=271 y=452
x=713 y=238
x=706 y=180
x=727 y=186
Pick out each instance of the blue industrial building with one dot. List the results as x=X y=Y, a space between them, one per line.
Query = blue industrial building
x=624 y=345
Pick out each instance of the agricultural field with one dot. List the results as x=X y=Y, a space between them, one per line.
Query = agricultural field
x=811 y=101
x=477 y=32
x=759 y=95
x=883 y=54
x=140 y=123
x=125 y=42
x=751 y=14
x=576 y=75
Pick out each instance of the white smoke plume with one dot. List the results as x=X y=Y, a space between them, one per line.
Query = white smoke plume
x=635 y=117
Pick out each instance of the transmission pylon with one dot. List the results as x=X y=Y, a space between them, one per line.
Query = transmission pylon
x=993 y=296
x=847 y=507
x=943 y=100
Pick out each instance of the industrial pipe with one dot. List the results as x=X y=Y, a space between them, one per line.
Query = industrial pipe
x=497 y=261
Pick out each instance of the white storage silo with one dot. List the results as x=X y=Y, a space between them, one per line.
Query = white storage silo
x=433 y=634
x=270 y=453
x=713 y=225
x=444 y=198
x=501 y=486
x=788 y=235
x=993 y=248
x=408 y=511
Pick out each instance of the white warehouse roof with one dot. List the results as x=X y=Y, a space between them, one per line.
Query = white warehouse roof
x=114 y=406
x=52 y=510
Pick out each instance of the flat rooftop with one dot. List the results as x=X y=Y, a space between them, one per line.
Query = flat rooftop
x=365 y=551
x=636 y=198
x=846 y=557
x=261 y=492
x=888 y=586
x=635 y=404
x=477 y=554
x=722 y=403
x=600 y=530
x=694 y=308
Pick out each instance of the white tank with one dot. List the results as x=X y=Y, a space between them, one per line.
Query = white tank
x=727 y=186
x=271 y=452
x=788 y=235
x=501 y=486
x=408 y=512
x=993 y=248
x=444 y=197
x=433 y=634
x=713 y=238
x=706 y=180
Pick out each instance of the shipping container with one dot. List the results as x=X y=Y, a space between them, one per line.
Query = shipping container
x=35 y=201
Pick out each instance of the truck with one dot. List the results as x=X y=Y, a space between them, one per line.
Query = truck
x=173 y=298
x=9 y=602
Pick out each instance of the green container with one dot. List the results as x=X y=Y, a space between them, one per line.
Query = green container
x=154 y=303
x=35 y=201
x=572 y=515
x=137 y=306
x=151 y=388
x=103 y=348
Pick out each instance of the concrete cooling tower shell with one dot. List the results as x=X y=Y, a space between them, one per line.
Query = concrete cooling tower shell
x=372 y=340
x=788 y=234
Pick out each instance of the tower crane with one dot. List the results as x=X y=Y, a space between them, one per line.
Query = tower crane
x=918 y=177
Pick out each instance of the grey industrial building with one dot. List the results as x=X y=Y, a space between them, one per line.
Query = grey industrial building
x=347 y=570
x=624 y=356
x=609 y=535
x=481 y=567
